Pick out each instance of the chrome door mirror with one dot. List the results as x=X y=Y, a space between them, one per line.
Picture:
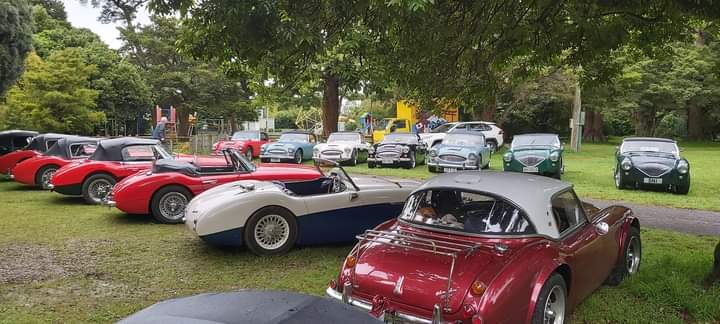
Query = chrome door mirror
x=602 y=228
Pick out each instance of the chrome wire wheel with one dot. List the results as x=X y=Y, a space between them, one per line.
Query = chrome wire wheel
x=617 y=180
x=555 y=306
x=249 y=154
x=632 y=255
x=46 y=176
x=272 y=232
x=172 y=205
x=298 y=157
x=99 y=189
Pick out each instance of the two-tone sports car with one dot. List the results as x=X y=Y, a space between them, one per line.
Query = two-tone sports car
x=38 y=145
x=535 y=153
x=38 y=171
x=271 y=217
x=13 y=140
x=460 y=150
x=489 y=247
x=292 y=146
x=397 y=149
x=652 y=163
x=247 y=142
x=112 y=161
x=343 y=147
x=166 y=189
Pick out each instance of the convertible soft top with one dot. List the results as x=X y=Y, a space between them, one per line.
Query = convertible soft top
x=255 y=307
x=109 y=150
x=62 y=147
x=180 y=166
x=17 y=133
x=39 y=143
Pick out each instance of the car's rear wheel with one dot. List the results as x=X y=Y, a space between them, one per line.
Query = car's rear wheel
x=682 y=189
x=551 y=305
x=298 y=157
x=631 y=258
x=168 y=204
x=96 y=187
x=43 y=176
x=249 y=154
x=271 y=230
x=371 y=165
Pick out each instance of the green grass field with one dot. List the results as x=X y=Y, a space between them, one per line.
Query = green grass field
x=591 y=171
x=65 y=262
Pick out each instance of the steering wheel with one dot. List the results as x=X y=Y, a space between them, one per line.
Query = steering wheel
x=337 y=183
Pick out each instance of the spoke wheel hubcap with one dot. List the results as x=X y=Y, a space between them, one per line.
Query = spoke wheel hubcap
x=172 y=205
x=272 y=232
x=555 y=306
x=632 y=256
x=99 y=189
x=46 y=176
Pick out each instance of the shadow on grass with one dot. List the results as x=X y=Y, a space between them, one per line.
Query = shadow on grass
x=68 y=200
x=20 y=187
x=132 y=219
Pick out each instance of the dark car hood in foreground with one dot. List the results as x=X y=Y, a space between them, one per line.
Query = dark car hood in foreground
x=250 y=307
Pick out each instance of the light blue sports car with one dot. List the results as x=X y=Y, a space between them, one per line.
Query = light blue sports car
x=460 y=150
x=292 y=146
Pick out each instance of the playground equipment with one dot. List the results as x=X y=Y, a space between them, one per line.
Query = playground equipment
x=407 y=117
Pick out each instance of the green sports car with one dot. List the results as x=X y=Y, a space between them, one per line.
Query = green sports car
x=651 y=163
x=535 y=153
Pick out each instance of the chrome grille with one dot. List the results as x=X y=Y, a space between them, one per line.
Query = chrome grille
x=531 y=160
x=278 y=151
x=452 y=158
x=654 y=170
x=331 y=152
x=389 y=154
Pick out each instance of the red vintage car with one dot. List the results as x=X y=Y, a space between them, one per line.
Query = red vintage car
x=247 y=142
x=38 y=145
x=489 y=247
x=165 y=191
x=112 y=161
x=38 y=171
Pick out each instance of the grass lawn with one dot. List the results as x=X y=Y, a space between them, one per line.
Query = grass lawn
x=592 y=173
x=65 y=262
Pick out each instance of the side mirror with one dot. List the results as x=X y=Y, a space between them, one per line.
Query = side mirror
x=353 y=196
x=602 y=228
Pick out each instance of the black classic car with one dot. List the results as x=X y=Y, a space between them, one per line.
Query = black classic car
x=13 y=140
x=397 y=149
x=651 y=163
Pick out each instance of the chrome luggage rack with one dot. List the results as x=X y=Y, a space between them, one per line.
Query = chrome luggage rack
x=426 y=242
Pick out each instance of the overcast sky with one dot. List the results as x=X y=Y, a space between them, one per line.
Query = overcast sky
x=85 y=16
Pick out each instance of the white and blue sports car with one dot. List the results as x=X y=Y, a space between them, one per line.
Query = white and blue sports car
x=272 y=217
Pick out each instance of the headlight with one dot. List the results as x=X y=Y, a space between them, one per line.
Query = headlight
x=263 y=147
x=405 y=149
x=472 y=157
x=290 y=150
x=348 y=150
x=433 y=152
x=316 y=150
x=554 y=156
x=371 y=150
x=507 y=157
x=626 y=164
x=683 y=167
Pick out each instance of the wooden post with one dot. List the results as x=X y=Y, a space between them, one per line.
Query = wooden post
x=575 y=131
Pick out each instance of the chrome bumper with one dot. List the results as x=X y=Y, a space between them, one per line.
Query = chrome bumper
x=450 y=165
x=108 y=203
x=394 y=159
x=404 y=318
x=275 y=156
x=50 y=186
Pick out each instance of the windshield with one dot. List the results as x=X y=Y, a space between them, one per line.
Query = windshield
x=344 y=137
x=161 y=153
x=240 y=163
x=245 y=136
x=535 y=140
x=649 y=146
x=464 y=140
x=444 y=128
x=294 y=137
x=465 y=211
x=405 y=138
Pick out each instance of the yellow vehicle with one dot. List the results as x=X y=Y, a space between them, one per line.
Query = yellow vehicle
x=404 y=122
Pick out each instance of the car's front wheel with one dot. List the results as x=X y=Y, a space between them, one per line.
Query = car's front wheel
x=96 y=187
x=413 y=161
x=298 y=157
x=271 y=230
x=631 y=257
x=354 y=158
x=168 y=204
x=43 y=176
x=683 y=189
x=249 y=154
x=551 y=305
x=619 y=180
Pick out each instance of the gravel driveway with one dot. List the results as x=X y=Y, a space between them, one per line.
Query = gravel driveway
x=677 y=219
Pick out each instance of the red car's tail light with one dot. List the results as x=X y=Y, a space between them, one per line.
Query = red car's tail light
x=333 y=284
x=350 y=261
x=478 y=288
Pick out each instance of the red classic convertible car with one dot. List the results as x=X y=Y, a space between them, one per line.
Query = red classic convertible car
x=112 y=161
x=165 y=191
x=247 y=142
x=38 y=171
x=489 y=248
x=38 y=145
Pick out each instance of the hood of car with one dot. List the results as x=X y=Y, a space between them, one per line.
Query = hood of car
x=282 y=145
x=231 y=143
x=443 y=149
x=653 y=164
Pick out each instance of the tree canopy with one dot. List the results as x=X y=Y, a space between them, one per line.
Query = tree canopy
x=15 y=40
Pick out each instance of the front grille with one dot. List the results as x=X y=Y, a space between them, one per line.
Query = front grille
x=279 y=152
x=654 y=170
x=331 y=152
x=531 y=160
x=452 y=158
x=389 y=154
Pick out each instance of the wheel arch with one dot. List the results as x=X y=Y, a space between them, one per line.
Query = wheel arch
x=155 y=192
x=97 y=172
x=42 y=167
x=558 y=267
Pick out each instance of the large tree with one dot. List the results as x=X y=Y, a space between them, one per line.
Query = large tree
x=15 y=40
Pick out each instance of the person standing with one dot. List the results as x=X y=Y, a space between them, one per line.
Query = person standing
x=159 y=131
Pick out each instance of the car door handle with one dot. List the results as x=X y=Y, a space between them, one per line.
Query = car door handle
x=209 y=181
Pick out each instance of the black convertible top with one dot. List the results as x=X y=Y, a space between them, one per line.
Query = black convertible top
x=39 y=143
x=109 y=149
x=648 y=139
x=256 y=307
x=62 y=147
x=18 y=133
x=180 y=166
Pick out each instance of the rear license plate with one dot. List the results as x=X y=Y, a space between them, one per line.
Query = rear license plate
x=450 y=169
x=530 y=169
x=274 y=160
x=653 y=180
x=387 y=161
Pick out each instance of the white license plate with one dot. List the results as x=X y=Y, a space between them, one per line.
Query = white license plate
x=450 y=169
x=274 y=160
x=530 y=169
x=387 y=161
x=653 y=180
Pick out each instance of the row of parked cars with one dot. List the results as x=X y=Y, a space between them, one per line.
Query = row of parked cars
x=454 y=248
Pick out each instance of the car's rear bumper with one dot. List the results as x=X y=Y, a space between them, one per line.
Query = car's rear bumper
x=69 y=190
x=402 y=317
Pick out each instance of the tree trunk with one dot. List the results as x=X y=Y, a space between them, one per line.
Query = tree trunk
x=593 y=131
x=181 y=124
x=331 y=103
x=694 y=121
x=644 y=119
